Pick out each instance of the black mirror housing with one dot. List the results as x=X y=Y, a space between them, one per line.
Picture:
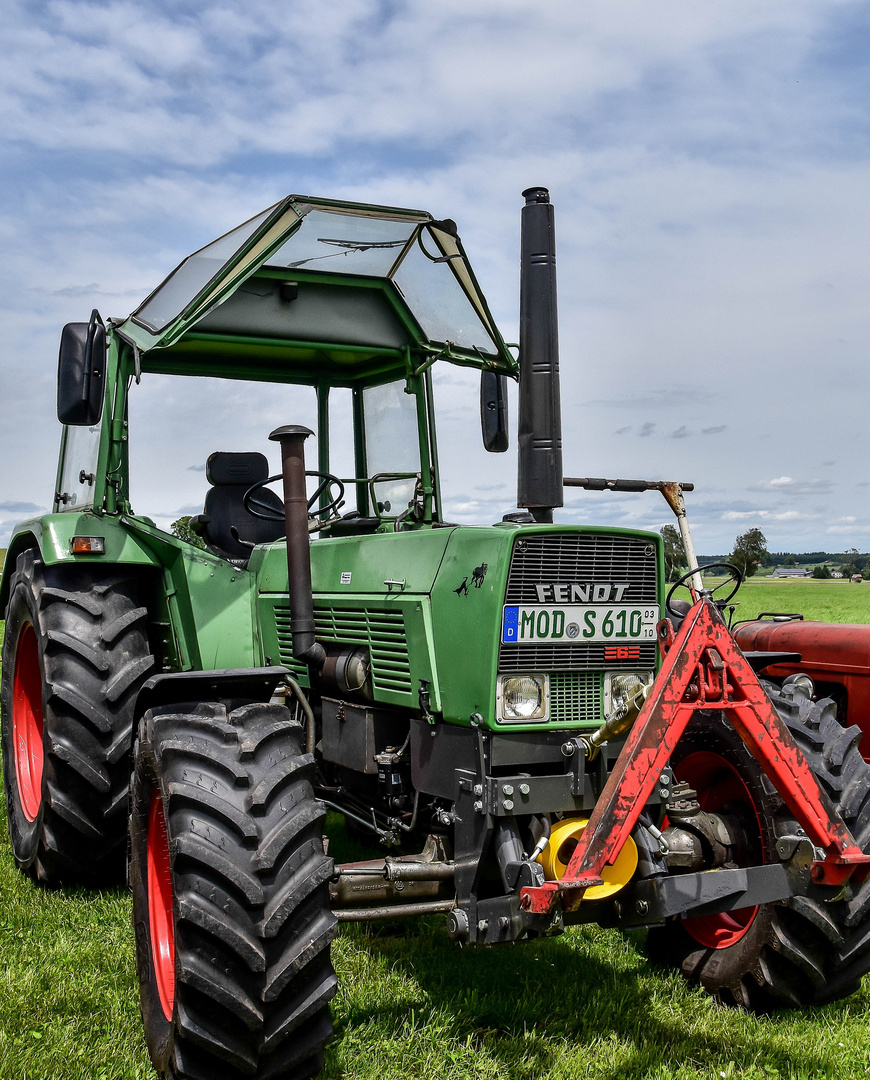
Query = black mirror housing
x=494 y=412
x=81 y=372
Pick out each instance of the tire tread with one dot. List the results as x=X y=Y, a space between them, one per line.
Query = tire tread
x=253 y=924
x=810 y=952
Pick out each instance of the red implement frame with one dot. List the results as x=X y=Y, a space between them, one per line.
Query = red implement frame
x=703 y=669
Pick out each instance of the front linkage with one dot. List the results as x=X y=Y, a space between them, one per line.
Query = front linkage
x=704 y=671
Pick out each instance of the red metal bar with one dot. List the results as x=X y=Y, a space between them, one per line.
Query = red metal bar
x=703 y=669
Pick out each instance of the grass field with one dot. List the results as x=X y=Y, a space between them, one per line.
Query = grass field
x=411 y=1004
x=828 y=601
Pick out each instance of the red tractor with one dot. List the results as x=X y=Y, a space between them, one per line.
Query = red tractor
x=835 y=656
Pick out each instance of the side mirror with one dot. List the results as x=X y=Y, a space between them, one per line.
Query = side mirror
x=494 y=411
x=81 y=372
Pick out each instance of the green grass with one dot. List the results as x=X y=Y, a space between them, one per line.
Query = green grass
x=827 y=601
x=411 y=1004
x=587 y=1005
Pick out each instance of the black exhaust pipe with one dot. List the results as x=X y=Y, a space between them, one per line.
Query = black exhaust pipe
x=539 y=474
x=292 y=439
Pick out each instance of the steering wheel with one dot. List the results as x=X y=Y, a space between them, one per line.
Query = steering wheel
x=259 y=508
x=734 y=575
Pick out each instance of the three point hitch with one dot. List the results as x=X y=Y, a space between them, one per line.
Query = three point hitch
x=704 y=670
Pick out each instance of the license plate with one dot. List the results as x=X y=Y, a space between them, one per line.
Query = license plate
x=575 y=623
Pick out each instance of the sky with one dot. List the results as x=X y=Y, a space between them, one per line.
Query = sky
x=710 y=169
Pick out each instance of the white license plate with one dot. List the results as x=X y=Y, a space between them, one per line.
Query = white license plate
x=574 y=623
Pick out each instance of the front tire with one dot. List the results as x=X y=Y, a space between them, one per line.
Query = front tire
x=230 y=895
x=75 y=653
x=797 y=952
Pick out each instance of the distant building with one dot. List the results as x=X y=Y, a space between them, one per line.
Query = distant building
x=790 y=571
x=836 y=573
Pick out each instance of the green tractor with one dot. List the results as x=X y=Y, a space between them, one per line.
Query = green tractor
x=506 y=712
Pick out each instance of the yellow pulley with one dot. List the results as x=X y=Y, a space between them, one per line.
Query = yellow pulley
x=557 y=854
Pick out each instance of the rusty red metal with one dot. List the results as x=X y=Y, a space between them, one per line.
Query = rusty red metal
x=702 y=669
x=666 y=636
x=833 y=654
x=540 y=900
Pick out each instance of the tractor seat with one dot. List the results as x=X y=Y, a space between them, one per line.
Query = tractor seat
x=229 y=530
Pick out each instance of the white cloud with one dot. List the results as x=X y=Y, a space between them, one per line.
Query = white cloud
x=203 y=82
x=768 y=515
x=848 y=530
x=793 y=515
x=708 y=163
x=785 y=485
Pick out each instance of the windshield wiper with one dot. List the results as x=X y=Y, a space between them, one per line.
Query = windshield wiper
x=348 y=247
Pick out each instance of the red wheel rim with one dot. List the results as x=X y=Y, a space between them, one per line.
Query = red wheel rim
x=160 y=906
x=719 y=785
x=27 y=722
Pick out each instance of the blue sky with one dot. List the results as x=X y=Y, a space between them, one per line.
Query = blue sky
x=709 y=164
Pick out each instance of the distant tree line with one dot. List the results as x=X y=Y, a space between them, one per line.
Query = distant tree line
x=804 y=558
x=748 y=554
x=824 y=563
x=851 y=557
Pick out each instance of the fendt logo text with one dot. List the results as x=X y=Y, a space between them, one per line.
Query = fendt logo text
x=600 y=592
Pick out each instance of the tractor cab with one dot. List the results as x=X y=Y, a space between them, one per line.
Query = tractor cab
x=315 y=293
x=352 y=306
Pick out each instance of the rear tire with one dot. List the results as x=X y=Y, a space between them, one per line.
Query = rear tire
x=797 y=952
x=75 y=653
x=230 y=895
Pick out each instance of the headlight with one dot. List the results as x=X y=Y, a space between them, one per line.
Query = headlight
x=624 y=692
x=802 y=683
x=522 y=698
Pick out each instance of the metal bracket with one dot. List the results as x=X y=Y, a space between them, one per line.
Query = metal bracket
x=703 y=669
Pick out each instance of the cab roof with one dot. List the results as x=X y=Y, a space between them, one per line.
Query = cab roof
x=320 y=290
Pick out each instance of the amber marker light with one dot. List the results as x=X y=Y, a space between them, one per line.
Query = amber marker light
x=89 y=545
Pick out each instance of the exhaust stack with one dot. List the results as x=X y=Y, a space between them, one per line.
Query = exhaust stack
x=292 y=439
x=539 y=479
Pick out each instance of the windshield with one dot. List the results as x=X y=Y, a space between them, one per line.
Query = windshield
x=392 y=444
x=417 y=264
x=192 y=276
x=421 y=259
x=344 y=244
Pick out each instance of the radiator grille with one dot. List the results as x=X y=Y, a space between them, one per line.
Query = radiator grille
x=582 y=557
x=576 y=699
x=578 y=558
x=381 y=631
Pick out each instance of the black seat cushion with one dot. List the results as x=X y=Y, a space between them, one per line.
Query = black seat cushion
x=230 y=476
